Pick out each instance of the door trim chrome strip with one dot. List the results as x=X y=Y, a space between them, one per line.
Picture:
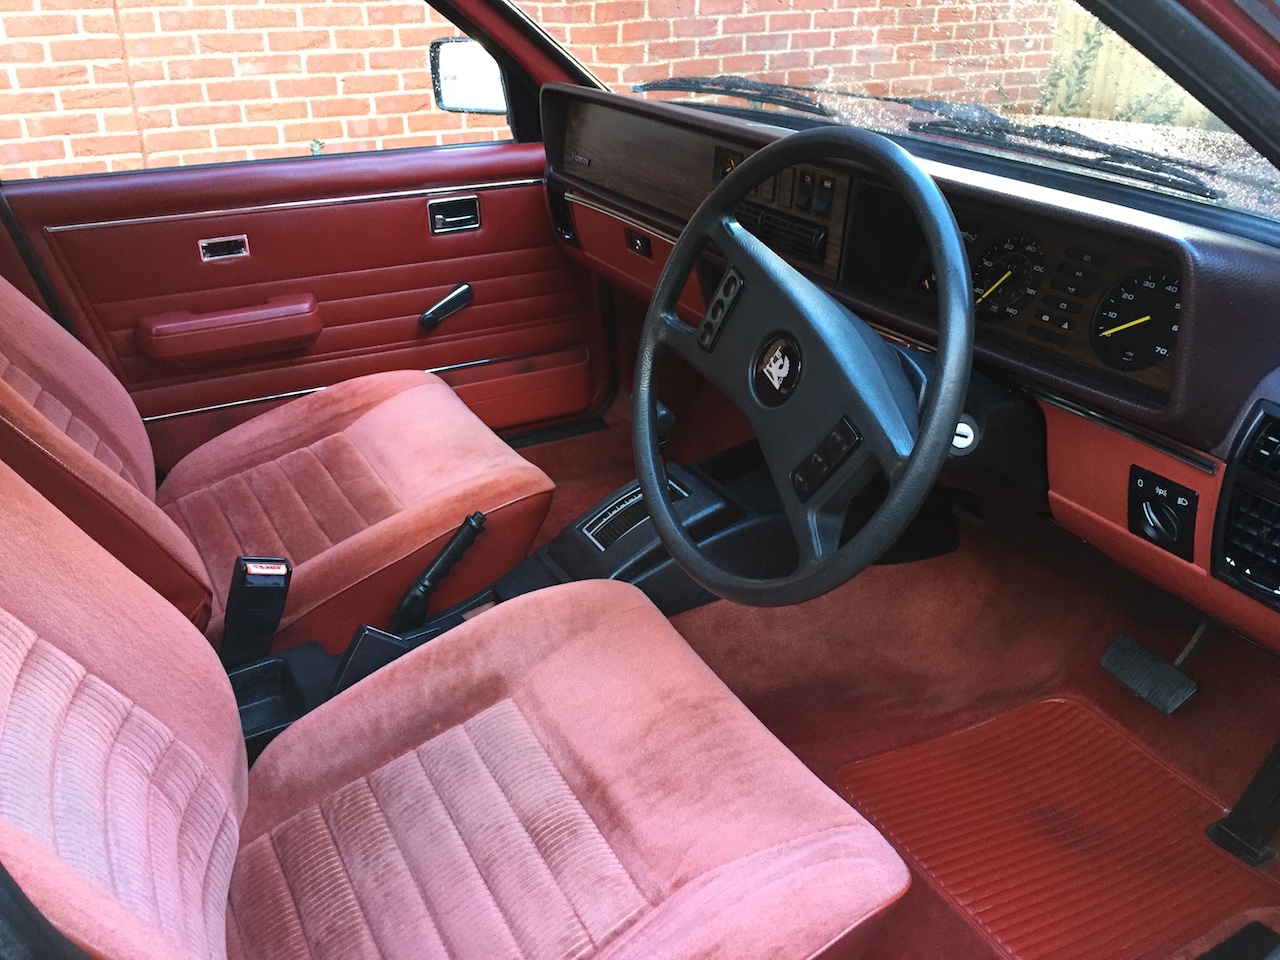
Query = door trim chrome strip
x=293 y=394
x=300 y=204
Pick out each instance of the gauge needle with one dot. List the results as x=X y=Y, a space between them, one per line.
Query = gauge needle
x=992 y=289
x=1125 y=326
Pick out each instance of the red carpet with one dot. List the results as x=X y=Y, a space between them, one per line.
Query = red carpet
x=1058 y=835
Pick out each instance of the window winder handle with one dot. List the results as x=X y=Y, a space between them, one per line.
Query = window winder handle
x=455 y=300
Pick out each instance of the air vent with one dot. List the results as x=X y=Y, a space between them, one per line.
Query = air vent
x=1247 y=542
x=787 y=235
x=1264 y=447
x=626 y=512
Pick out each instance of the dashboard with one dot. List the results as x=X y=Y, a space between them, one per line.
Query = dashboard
x=1147 y=335
x=1161 y=324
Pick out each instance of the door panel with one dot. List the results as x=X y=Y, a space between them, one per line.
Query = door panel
x=352 y=233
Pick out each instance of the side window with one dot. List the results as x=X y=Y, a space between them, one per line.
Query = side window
x=90 y=87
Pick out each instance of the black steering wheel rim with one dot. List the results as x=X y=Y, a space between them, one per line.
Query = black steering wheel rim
x=911 y=472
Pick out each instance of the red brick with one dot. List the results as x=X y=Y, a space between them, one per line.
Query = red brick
x=63 y=51
x=759 y=42
x=251 y=66
x=753 y=24
x=790 y=21
x=175 y=45
x=883 y=71
x=642 y=72
x=362 y=38
x=39 y=25
x=272 y=153
x=227 y=42
x=181 y=20
x=61 y=124
x=24 y=53
x=385 y=12
x=165 y=94
x=174 y=141
x=720 y=45
x=63 y=75
x=119 y=121
x=19 y=6
x=299 y=40
x=370 y=83
x=94 y=98
x=247 y=136
x=237 y=91
x=201 y=67
x=411 y=80
x=132 y=23
x=405 y=103
x=710 y=8
x=100 y=23
x=276 y=110
x=105 y=146
x=303 y=88
x=433 y=120
x=374 y=127
x=787 y=59
x=595 y=33
x=389 y=59
x=695 y=27
x=259 y=18
x=208 y=115
x=746 y=63
x=311 y=129
x=616 y=11
x=341 y=107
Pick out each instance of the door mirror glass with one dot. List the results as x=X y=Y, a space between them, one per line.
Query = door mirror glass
x=465 y=78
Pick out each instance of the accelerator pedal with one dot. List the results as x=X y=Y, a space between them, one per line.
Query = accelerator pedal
x=1157 y=681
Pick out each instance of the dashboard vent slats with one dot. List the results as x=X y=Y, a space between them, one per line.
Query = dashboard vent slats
x=1247 y=541
x=788 y=235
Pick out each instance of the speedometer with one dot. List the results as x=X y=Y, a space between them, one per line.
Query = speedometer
x=1007 y=277
x=1137 y=322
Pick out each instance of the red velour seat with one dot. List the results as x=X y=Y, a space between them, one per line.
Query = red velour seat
x=359 y=485
x=559 y=777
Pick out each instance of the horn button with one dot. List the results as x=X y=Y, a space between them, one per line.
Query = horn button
x=777 y=370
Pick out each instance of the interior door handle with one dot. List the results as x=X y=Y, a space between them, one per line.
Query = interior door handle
x=454 y=214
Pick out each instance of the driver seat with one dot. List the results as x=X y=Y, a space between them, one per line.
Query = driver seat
x=560 y=777
x=359 y=485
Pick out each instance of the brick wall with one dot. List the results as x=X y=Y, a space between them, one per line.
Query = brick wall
x=96 y=85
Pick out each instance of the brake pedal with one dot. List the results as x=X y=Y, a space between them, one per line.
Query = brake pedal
x=1157 y=681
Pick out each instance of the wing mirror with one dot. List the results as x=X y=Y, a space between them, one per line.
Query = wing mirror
x=465 y=78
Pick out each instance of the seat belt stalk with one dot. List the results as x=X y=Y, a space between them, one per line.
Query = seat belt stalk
x=255 y=604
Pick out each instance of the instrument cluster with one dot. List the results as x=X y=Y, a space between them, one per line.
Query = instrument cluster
x=1087 y=301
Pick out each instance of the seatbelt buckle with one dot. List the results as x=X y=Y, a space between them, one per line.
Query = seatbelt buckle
x=255 y=604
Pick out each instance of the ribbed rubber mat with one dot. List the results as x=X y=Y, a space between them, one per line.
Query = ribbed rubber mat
x=1059 y=835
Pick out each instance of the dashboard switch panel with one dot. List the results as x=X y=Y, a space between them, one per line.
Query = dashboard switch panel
x=1163 y=512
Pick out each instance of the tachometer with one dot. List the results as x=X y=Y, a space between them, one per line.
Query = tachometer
x=1137 y=322
x=1007 y=277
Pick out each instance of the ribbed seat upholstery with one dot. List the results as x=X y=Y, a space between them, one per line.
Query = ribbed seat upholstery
x=560 y=777
x=359 y=485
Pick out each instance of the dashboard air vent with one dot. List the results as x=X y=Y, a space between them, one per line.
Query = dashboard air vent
x=1247 y=541
x=787 y=235
x=1264 y=447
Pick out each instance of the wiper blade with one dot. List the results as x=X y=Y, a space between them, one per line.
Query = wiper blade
x=778 y=94
x=1106 y=157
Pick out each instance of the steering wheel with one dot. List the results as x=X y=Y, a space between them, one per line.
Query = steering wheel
x=829 y=400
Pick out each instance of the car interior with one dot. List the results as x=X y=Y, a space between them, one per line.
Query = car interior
x=730 y=517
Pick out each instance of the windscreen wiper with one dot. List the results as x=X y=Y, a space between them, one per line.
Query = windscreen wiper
x=971 y=122
x=1099 y=155
x=777 y=94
